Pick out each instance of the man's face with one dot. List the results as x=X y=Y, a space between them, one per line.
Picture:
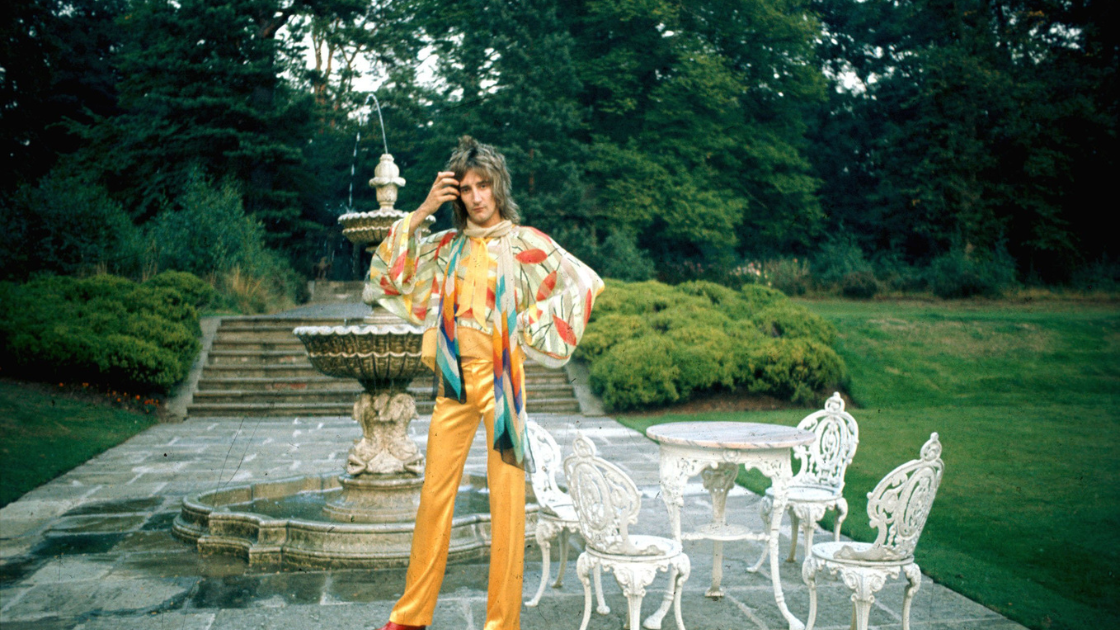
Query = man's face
x=477 y=194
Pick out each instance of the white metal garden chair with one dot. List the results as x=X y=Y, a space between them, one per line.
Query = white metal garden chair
x=819 y=484
x=898 y=508
x=607 y=502
x=557 y=515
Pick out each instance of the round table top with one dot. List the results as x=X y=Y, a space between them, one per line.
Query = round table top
x=740 y=435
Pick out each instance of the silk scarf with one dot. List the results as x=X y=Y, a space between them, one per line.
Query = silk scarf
x=509 y=402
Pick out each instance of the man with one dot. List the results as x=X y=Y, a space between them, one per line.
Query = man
x=488 y=292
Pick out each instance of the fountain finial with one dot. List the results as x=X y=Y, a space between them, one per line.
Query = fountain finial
x=386 y=180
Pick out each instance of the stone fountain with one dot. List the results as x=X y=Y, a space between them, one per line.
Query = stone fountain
x=364 y=517
x=384 y=469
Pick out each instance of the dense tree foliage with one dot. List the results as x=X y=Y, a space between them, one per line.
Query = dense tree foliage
x=975 y=124
x=649 y=136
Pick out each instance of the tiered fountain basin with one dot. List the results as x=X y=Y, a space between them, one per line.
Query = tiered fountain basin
x=281 y=524
x=370 y=228
x=385 y=351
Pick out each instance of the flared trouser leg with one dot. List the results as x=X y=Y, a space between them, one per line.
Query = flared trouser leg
x=449 y=439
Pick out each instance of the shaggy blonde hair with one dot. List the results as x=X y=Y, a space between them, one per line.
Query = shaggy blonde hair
x=484 y=159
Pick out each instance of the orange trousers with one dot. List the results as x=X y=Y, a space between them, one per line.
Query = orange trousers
x=449 y=439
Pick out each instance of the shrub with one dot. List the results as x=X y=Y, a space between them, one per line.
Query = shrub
x=194 y=290
x=639 y=298
x=1102 y=274
x=651 y=344
x=794 y=369
x=705 y=357
x=208 y=234
x=104 y=329
x=636 y=373
x=688 y=315
x=67 y=225
x=837 y=258
x=759 y=297
x=963 y=272
x=788 y=275
x=896 y=274
x=611 y=329
x=859 y=285
x=789 y=321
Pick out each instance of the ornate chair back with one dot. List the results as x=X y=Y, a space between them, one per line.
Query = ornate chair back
x=606 y=500
x=900 y=505
x=824 y=461
x=547 y=464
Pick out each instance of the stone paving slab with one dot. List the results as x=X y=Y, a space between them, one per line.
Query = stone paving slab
x=93 y=548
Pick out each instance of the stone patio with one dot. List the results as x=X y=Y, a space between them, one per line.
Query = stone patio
x=93 y=548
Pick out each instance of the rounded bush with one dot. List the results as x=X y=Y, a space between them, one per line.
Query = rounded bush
x=196 y=291
x=705 y=356
x=654 y=344
x=689 y=316
x=103 y=329
x=790 y=321
x=637 y=373
x=609 y=331
x=759 y=297
x=959 y=274
x=793 y=368
x=640 y=298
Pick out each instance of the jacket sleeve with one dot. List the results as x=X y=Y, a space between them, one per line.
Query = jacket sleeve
x=560 y=291
x=406 y=272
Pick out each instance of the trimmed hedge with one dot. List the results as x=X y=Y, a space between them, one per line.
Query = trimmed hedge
x=651 y=344
x=103 y=330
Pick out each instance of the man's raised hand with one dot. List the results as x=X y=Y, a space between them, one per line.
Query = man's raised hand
x=444 y=189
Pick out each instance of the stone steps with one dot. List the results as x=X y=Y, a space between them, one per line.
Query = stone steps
x=256 y=367
x=316 y=381
x=339 y=392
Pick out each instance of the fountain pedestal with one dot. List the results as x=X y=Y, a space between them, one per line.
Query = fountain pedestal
x=376 y=499
x=384 y=470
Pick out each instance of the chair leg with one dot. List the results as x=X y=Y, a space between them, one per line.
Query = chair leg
x=603 y=609
x=653 y=622
x=864 y=585
x=807 y=528
x=809 y=576
x=583 y=570
x=764 y=507
x=682 y=569
x=634 y=604
x=563 y=558
x=794 y=522
x=914 y=577
x=546 y=559
x=842 y=513
x=634 y=579
x=678 y=574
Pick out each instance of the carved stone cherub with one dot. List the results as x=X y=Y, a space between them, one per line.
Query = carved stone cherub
x=385 y=447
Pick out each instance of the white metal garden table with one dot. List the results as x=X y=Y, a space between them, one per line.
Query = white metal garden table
x=714 y=450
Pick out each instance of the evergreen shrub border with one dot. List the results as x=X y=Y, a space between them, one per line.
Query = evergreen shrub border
x=103 y=330
x=651 y=344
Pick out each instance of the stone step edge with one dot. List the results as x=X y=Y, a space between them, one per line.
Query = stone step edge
x=415 y=391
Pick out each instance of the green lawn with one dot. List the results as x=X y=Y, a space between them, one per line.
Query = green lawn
x=43 y=435
x=1025 y=399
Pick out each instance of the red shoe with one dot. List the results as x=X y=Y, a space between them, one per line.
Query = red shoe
x=400 y=626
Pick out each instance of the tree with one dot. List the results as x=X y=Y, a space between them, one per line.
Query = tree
x=56 y=60
x=202 y=88
x=696 y=118
x=974 y=124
